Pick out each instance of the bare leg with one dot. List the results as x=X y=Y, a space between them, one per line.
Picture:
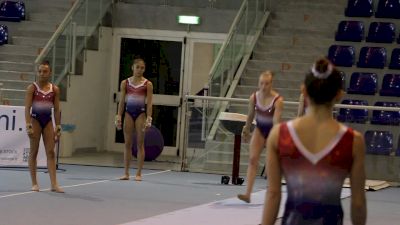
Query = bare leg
x=139 y=124
x=257 y=144
x=33 y=152
x=129 y=127
x=49 y=144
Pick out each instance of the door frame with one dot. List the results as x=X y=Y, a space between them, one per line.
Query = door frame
x=187 y=39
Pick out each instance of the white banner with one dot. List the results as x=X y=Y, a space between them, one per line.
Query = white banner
x=14 y=142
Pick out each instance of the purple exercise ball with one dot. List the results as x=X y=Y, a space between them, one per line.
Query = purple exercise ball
x=153 y=144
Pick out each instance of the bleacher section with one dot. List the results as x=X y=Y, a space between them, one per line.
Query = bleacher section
x=25 y=28
x=373 y=62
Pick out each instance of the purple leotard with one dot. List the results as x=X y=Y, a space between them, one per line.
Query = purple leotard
x=42 y=105
x=135 y=98
x=314 y=181
x=264 y=115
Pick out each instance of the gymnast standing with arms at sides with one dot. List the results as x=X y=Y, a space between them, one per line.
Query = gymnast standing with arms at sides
x=137 y=95
x=42 y=97
x=315 y=153
x=266 y=106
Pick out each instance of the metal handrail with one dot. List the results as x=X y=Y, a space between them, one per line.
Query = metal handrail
x=228 y=90
x=58 y=32
x=245 y=100
x=228 y=38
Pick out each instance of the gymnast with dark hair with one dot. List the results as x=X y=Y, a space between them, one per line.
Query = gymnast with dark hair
x=42 y=103
x=137 y=97
x=314 y=154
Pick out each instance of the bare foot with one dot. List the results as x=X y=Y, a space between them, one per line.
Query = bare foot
x=138 y=178
x=244 y=198
x=57 y=189
x=35 y=187
x=126 y=177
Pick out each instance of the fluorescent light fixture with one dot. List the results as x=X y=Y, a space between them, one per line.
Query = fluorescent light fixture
x=189 y=19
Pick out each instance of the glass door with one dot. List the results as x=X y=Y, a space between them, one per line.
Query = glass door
x=164 y=69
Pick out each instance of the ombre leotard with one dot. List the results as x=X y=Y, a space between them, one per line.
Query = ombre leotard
x=314 y=181
x=135 y=98
x=42 y=105
x=264 y=115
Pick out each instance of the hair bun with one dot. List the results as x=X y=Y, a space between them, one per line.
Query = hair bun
x=322 y=65
x=322 y=68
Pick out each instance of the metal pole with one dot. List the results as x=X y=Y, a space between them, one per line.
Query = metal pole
x=188 y=114
x=73 y=52
x=86 y=23
x=204 y=116
x=53 y=63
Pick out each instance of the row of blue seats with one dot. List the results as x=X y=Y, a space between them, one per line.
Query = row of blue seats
x=381 y=143
x=365 y=8
x=379 y=32
x=367 y=84
x=12 y=10
x=370 y=57
x=377 y=142
x=381 y=117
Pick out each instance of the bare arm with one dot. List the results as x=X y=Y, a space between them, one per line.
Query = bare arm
x=122 y=98
x=250 y=111
x=149 y=99
x=250 y=118
x=57 y=115
x=357 y=182
x=273 y=195
x=28 y=103
x=278 y=110
x=149 y=104
x=121 y=104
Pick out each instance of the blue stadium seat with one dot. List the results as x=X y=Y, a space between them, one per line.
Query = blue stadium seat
x=386 y=117
x=363 y=83
x=388 y=9
x=359 y=8
x=372 y=57
x=390 y=85
x=3 y=34
x=379 y=142
x=342 y=55
x=12 y=11
x=350 y=31
x=395 y=59
x=381 y=32
x=353 y=115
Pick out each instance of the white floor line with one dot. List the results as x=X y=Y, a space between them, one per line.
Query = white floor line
x=78 y=185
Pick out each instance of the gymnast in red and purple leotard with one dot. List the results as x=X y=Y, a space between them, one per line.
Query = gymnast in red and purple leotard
x=265 y=105
x=42 y=99
x=315 y=153
x=137 y=94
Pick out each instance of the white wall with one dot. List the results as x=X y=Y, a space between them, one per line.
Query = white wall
x=203 y=59
x=87 y=100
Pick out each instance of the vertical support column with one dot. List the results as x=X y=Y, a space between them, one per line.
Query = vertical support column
x=236 y=159
x=73 y=49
